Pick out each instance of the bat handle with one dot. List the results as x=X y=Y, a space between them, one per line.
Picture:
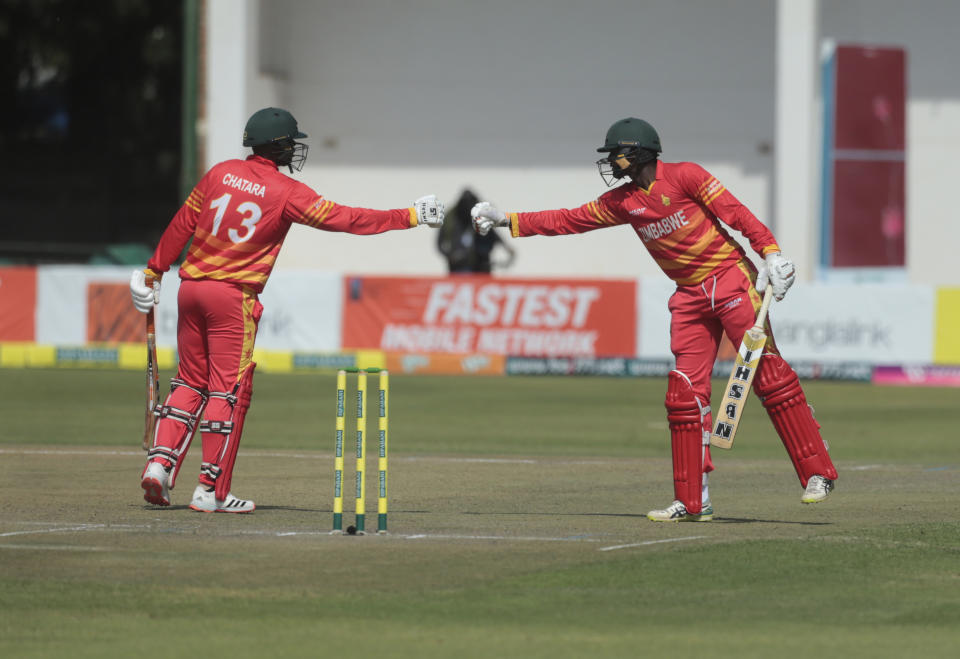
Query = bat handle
x=153 y=385
x=765 y=306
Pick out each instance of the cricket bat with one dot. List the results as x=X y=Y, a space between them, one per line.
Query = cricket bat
x=153 y=381
x=741 y=378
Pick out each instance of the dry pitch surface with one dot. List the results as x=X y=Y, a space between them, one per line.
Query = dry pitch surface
x=91 y=497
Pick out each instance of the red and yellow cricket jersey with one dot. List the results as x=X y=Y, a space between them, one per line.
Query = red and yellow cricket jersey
x=678 y=218
x=239 y=214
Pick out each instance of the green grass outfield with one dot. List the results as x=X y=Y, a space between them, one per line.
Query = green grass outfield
x=517 y=528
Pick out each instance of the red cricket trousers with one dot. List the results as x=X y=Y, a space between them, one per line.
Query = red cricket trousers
x=216 y=330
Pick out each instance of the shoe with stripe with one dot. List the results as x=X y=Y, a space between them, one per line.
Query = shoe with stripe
x=677 y=512
x=234 y=505
x=154 y=484
x=206 y=502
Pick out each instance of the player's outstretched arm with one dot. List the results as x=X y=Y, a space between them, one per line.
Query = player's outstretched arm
x=304 y=206
x=593 y=215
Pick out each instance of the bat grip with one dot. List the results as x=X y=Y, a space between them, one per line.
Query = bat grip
x=151 y=282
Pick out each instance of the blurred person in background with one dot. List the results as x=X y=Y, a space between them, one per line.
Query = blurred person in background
x=464 y=249
x=678 y=210
x=237 y=217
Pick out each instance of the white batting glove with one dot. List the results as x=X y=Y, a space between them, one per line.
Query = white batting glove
x=777 y=271
x=429 y=211
x=486 y=216
x=144 y=296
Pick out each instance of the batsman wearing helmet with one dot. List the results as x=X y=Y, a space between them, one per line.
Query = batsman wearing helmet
x=679 y=211
x=237 y=216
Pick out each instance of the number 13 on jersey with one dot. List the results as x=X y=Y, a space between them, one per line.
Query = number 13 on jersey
x=250 y=214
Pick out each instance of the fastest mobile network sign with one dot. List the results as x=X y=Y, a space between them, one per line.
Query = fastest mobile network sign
x=481 y=314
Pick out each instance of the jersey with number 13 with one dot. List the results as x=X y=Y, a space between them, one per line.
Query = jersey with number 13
x=239 y=214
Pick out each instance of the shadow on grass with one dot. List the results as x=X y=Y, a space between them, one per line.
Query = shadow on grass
x=314 y=511
x=557 y=514
x=750 y=520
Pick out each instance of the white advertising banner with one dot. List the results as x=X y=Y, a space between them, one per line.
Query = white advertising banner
x=653 y=317
x=824 y=323
x=63 y=300
x=302 y=310
x=875 y=323
x=78 y=305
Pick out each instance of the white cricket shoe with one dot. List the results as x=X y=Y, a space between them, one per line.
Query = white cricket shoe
x=206 y=502
x=818 y=489
x=677 y=512
x=154 y=484
x=234 y=505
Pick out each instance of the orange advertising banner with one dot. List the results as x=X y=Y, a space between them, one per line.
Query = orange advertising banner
x=110 y=316
x=18 y=303
x=479 y=314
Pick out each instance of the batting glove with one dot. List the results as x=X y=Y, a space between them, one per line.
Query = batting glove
x=486 y=216
x=144 y=295
x=429 y=211
x=777 y=271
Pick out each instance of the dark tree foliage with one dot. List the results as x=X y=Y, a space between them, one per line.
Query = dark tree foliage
x=91 y=105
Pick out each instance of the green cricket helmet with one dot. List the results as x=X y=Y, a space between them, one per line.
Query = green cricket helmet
x=272 y=133
x=629 y=142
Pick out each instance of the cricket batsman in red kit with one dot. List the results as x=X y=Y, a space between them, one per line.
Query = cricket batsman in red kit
x=237 y=217
x=678 y=211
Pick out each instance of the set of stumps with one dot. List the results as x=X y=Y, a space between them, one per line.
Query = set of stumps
x=383 y=390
